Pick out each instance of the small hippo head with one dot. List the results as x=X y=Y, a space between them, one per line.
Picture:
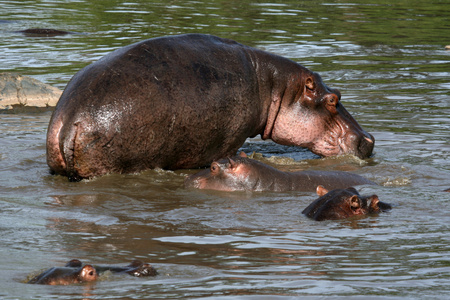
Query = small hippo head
x=315 y=118
x=343 y=203
x=238 y=173
x=87 y=274
x=70 y=274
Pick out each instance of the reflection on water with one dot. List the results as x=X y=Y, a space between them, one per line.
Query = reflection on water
x=388 y=60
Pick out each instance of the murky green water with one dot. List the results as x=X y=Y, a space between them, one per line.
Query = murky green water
x=390 y=63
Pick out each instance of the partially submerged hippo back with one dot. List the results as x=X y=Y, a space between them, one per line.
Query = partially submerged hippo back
x=75 y=272
x=343 y=203
x=241 y=173
x=136 y=268
x=44 y=32
x=183 y=101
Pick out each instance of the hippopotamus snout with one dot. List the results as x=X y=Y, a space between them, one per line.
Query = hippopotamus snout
x=366 y=144
x=355 y=139
x=363 y=143
x=194 y=181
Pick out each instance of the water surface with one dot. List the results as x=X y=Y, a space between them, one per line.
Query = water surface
x=388 y=60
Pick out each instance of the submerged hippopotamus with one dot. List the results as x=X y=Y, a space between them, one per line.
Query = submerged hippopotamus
x=343 y=203
x=75 y=272
x=241 y=173
x=183 y=101
x=44 y=32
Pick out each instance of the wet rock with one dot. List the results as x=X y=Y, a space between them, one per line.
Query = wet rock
x=16 y=89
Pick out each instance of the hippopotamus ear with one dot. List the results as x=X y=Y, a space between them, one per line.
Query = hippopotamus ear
x=355 y=202
x=373 y=206
x=88 y=273
x=309 y=92
x=374 y=201
x=242 y=154
x=309 y=83
x=74 y=263
x=320 y=190
x=136 y=263
x=233 y=164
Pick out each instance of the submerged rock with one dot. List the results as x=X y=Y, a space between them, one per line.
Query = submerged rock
x=16 y=89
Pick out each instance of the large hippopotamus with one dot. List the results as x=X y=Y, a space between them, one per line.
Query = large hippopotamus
x=75 y=272
x=180 y=102
x=240 y=173
x=343 y=203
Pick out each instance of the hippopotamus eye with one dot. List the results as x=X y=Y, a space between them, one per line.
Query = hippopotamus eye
x=331 y=101
x=214 y=168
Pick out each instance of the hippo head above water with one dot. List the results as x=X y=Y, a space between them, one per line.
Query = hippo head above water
x=326 y=127
x=74 y=272
x=343 y=203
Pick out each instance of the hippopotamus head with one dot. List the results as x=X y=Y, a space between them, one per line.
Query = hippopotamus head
x=315 y=118
x=343 y=203
x=72 y=273
x=238 y=173
x=75 y=272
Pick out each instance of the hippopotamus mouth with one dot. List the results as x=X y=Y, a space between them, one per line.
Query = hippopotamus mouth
x=340 y=141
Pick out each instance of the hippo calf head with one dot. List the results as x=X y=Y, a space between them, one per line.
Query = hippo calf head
x=228 y=174
x=343 y=203
x=315 y=118
x=72 y=273
x=75 y=272
x=237 y=173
